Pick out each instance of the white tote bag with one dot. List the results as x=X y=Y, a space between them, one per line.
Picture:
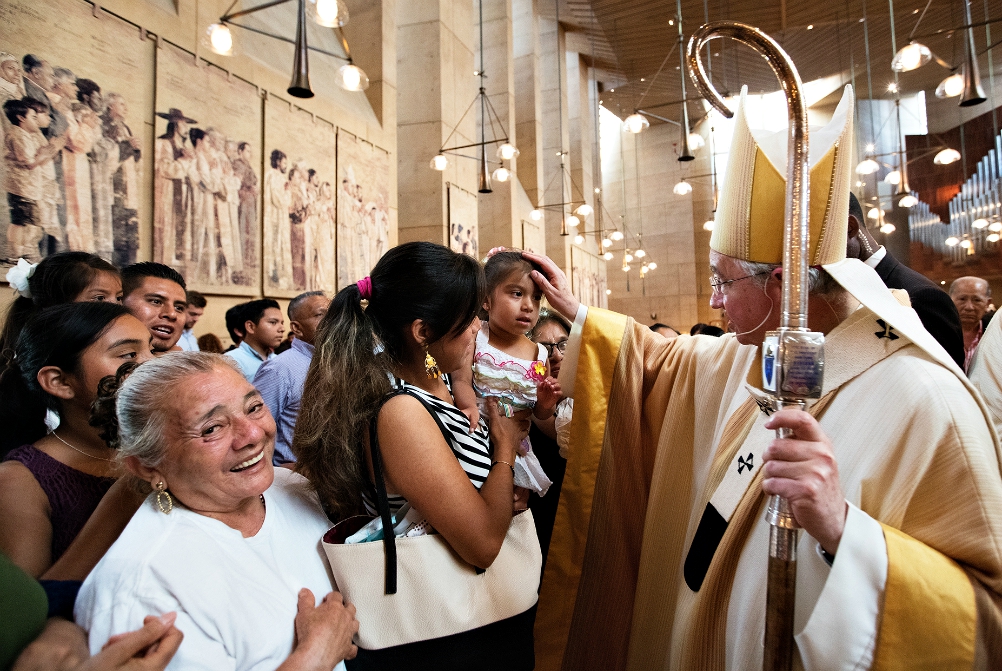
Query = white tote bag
x=415 y=589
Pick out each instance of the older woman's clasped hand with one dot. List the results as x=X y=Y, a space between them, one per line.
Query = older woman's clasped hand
x=320 y=633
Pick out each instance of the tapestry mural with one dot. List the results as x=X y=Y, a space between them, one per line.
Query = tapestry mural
x=363 y=214
x=299 y=201
x=73 y=131
x=207 y=194
x=463 y=221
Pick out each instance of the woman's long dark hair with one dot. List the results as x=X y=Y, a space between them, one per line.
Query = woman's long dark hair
x=347 y=377
x=56 y=336
x=58 y=279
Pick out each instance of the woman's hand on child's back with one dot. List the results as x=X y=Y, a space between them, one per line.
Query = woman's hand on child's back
x=506 y=432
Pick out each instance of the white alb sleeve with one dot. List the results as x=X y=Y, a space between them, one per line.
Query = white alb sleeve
x=841 y=632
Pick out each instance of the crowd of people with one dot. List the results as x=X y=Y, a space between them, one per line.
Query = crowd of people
x=166 y=505
x=71 y=163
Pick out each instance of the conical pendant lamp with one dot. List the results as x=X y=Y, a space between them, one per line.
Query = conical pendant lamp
x=300 y=85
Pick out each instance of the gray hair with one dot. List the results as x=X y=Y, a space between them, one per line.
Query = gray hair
x=140 y=406
x=818 y=279
x=296 y=302
x=64 y=74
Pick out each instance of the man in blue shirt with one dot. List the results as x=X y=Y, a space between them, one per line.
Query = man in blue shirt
x=280 y=380
x=194 y=312
x=264 y=328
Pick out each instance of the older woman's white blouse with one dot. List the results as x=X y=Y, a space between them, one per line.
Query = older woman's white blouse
x=235 y=597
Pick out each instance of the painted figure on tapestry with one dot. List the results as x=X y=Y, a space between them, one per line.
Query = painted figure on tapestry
x=175 y=164
x=277 y=199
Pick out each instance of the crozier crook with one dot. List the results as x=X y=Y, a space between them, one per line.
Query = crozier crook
x=794 y=354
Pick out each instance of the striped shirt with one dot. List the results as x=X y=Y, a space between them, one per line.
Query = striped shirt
x=473 y=451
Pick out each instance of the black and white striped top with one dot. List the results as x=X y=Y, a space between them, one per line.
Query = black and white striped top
x=472 y=450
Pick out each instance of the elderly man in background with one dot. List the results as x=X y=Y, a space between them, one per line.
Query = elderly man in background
x=280 y=380
x=971 y=295
x=659 y=552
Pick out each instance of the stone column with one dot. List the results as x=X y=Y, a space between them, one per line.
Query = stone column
x=498 y=221
x=528 y=97
x=435 y=46
x=555 y=137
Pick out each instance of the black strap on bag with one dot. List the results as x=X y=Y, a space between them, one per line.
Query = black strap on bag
x=382 y=499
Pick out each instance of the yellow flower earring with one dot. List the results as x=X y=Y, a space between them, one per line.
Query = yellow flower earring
x=430 y=365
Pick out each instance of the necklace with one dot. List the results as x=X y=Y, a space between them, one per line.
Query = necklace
x=86 y=454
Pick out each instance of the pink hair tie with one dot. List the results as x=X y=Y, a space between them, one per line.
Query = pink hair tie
x=365 y=287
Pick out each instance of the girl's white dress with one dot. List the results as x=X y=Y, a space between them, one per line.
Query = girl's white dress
x=499 y=375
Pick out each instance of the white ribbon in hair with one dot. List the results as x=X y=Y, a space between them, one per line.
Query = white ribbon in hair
x=19 y=275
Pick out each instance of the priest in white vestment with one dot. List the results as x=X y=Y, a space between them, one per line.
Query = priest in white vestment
x=894 y=474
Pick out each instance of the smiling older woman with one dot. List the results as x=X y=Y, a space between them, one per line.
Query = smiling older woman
x=225 y=539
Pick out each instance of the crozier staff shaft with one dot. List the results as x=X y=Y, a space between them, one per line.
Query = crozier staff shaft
x=783 y=530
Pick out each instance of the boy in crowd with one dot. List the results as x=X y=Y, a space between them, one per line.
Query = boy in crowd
x=264 y=328
x=155 y=295
x=194 y=312
x=280 y=380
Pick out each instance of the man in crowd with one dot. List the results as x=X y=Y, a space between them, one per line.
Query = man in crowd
x=971 y=295
x=264 y=329
x=235 y=325
x=192 y=313
x=281 y=379
x=659 y=557
x=933 y=305
x=155 y=295
x=665 y=330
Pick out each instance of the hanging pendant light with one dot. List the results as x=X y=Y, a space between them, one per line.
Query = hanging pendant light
x=946 y=157
x=708 y=225
x=682 y=188
x=607 y=256
x=636 y=123
x=536 y=215
x=439 y=162
x=951 y=87
x=501 y=174
x=652 y=266
x=300 y=85
x=616 y=235
x=952 y=241
x=584 y=210
x=579 y=239
x=507 y=151
x=908 y=201
x=893 y=177
x=329 y=13
x=572 y=221
x=887 y=229
x=911 y=57
x=867 y=167
x=350 y=77
x=973 y=93
x=219 y=38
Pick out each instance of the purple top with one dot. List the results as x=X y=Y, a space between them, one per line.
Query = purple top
x=73 y=495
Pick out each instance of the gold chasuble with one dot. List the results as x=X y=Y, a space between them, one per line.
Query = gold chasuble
x=657 y=423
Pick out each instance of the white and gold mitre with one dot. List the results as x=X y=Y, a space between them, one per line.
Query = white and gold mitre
x=751 y=210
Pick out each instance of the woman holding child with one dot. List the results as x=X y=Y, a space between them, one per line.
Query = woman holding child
x=408 y=327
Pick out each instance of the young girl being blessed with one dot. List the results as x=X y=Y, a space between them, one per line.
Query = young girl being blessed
x=506 y=367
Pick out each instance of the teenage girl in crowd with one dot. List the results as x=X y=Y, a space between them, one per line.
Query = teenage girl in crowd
x=506 y=365
x=67 y=277
x=50 y=485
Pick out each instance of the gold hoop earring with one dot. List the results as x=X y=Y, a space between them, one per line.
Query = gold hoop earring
x=161 y=494
x=430 y=365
